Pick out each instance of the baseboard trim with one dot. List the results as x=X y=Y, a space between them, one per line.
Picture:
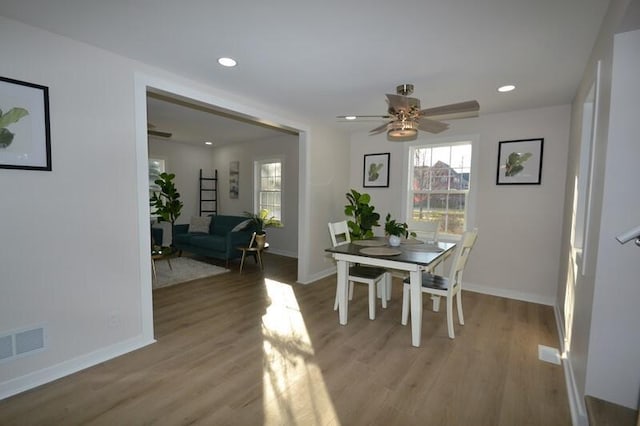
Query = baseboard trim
x=284 y=253
x=310 y=279
x=49 y=374
x=509 y=294
x=576 y=404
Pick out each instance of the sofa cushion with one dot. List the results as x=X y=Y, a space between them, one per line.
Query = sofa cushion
x=224 y=224
x=182 y=239
x=241 y=226
x=209 y=242
x=200 y=224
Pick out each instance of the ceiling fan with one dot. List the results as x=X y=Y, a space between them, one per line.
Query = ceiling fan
x=158 y=133
x=407 y=117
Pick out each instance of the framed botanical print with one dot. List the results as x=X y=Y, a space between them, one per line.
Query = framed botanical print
x=376 y=171
x=25 y=141
x=520 y=162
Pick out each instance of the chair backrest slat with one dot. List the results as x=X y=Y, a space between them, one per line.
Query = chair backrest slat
x=426 y=229
x=460 y=259
x=339 y=232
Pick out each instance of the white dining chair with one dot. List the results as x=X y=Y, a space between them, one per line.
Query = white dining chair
x=370 y=275
x=426 y=230
x=449 y=287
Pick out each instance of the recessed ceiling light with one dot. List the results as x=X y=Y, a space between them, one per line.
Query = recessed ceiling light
x=506 y=88
x=227 y=62
x=350 y=117
x=208 y=143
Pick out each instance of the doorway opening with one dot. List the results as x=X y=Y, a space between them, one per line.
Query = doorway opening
x=181 y=96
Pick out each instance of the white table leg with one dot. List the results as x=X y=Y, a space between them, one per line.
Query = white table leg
x=343 y=290
x=416 y=307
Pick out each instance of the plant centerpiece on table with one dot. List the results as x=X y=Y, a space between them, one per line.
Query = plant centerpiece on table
x=262 y=220
x=166 y=202
x=396 y=230
x=364 y=215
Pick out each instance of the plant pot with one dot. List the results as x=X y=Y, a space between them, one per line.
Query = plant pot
x=260 y=240
x=394 y=240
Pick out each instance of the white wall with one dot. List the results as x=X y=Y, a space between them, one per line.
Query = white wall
x=185 y=161
x=70 y=252
x=283 y=240
x=329 y=170
x=519 y=226
x=73 y=258
x=592 y=366
x=614 y=375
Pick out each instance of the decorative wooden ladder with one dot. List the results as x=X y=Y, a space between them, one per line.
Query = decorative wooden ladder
x=209 y=193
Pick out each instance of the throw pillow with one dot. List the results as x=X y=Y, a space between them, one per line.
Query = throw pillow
x=200 y=224
x=241 y=225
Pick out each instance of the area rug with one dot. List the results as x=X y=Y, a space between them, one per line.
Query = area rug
x=183 y=269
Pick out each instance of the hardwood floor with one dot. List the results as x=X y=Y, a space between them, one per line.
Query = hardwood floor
x=257 y=349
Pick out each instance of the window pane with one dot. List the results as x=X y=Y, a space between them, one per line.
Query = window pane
x=455 y=214
x=269 y=192
x=441 y=176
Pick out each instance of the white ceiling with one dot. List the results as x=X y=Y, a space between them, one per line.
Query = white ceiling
x=326 y=58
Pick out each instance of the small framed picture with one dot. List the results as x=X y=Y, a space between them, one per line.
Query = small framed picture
x=376 y=171
x=25 y=141
x=520 y=162
x=234 y=179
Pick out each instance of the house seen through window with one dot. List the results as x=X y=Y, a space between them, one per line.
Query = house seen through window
x=439 y=182
x=269 y=187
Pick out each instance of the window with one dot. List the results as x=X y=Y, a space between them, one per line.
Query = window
x=269 y=187
x=439 y=183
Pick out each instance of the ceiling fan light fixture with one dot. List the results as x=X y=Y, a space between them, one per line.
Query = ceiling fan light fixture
x=402 y=131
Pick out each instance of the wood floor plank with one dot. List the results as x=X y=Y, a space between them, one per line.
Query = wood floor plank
x=257 y=348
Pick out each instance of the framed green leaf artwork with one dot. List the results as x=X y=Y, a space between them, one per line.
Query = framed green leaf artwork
x=376 y=171
x=25 y=141
x=520 y=162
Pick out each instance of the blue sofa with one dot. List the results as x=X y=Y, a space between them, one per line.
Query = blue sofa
x=220 y=242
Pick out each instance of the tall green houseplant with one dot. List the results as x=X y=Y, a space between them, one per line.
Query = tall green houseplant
x=166 y=202
x=363 y=214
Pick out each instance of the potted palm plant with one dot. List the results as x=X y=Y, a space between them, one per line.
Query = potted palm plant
x=262 y=220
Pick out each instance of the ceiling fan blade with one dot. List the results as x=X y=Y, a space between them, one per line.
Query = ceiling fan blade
x=358 y=117
x=432 y=126
x=465 y=109
x=379 y=129
x=159 y=133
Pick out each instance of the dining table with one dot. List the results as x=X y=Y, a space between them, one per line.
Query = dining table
x=412 y=255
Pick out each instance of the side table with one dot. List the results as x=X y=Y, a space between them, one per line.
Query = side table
x=161 y=253
x=256 y=251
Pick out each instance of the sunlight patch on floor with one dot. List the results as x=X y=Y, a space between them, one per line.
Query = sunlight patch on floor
x=294 y=391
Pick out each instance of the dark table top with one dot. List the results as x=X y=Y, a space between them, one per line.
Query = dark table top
x=421 y=254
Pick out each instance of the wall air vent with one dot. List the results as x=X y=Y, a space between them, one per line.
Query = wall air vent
x=21 y=343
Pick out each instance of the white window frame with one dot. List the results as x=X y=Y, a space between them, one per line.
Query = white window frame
x=470 y=206
x=257 y=164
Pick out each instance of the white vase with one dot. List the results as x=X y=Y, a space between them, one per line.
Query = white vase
x=394 y=240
